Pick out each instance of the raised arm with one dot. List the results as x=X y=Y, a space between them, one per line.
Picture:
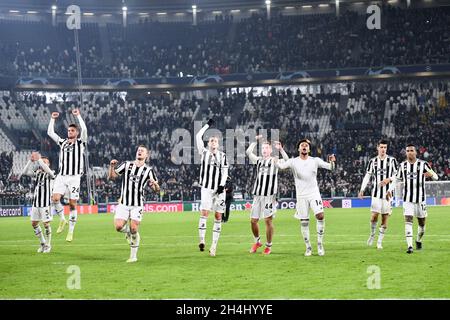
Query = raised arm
x=284 y=164
x=51 y=128
x=284 y=154
x=27 y=170
x=199 y=139
x=46 y=168
x=112 y=172
x=280 y=148
x=83 y=135
x=30 y=169
x=327 y=165
x=199 y=136
x=253 y=158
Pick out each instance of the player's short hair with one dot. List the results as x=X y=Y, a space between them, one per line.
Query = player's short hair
x=73 y=125
x=142 y=146
x=303 y=140
x=382 y=141
x=411 y=145
x=266 y=142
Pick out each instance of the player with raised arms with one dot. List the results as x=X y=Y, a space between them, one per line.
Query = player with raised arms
x=71 y=168
x=213 y=177
x=304 y=169
x=264 y=191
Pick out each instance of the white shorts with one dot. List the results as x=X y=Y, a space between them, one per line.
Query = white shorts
x=211 y=201
x=381 y=206
x=124 y=212
x=263 y=207
x=41 y=214
x=70 y=183
x=418 y=210
x=303 y=206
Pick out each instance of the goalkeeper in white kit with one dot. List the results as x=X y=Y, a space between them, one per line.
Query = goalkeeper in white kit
x=304 y=169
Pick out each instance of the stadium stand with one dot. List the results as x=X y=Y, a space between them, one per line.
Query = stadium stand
x=352 y=127
x=255 y=44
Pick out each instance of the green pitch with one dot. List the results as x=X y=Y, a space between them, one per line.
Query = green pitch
x=171 y=266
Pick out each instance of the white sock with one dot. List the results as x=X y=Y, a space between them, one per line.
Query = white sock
x=420 y=233
x=268 y=244
x=134 y=245
x=409 y=233
x=39 y=234
x=257 y=239
x=59 y=210
x=48 y=233
x=320 y=225
x=72 y=219
x=381 y=233
x=304 y=226
x=216 y=232
x=373 y=227
x=202 y=228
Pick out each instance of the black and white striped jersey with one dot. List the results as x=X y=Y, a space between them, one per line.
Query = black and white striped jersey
x=213 y=168
x=133 y=182
x=379 y=170
x=71 y=157
x=42 y=189
x=412 y=175
x=266 y=181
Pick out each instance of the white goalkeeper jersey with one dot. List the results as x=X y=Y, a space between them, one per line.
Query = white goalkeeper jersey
x=305 y=175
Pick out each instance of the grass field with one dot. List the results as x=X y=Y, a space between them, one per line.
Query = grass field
x=170 y=265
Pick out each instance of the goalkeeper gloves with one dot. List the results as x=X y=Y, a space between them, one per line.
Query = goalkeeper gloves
x=220 y=189
x=211 y=122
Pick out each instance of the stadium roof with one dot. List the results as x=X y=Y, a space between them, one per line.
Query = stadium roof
x=116 y=5
x=135 y=6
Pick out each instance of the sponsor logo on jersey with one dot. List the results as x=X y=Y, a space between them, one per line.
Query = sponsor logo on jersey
x=134 y=178
x=69 y=148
